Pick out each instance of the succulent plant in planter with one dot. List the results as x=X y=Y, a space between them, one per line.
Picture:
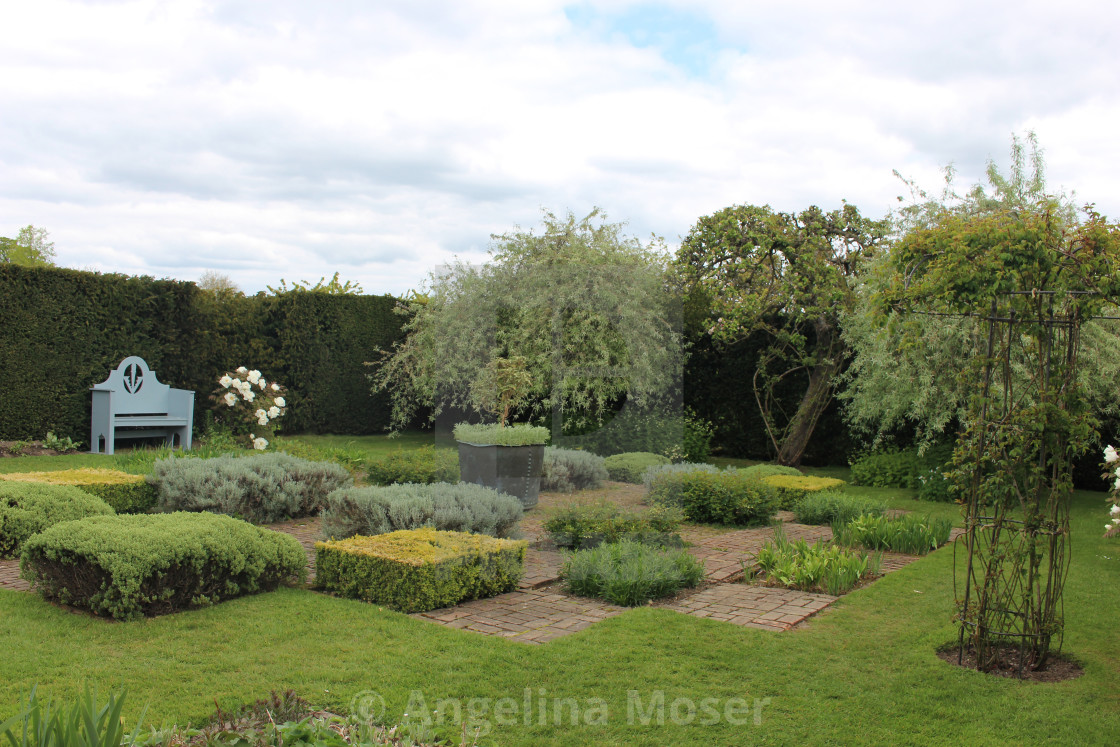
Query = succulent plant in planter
x=507 y=458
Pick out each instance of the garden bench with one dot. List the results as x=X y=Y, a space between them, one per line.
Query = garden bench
x=132 y=400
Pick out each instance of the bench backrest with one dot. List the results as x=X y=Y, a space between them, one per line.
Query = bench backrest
x=135 y=389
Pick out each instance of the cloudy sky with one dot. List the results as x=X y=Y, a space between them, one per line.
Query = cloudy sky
x=292 y=139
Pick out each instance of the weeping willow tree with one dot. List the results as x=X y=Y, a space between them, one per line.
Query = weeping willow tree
x=586 y=308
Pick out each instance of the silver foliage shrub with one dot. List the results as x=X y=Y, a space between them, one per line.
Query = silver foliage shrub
x=569 y=470
x=261 y=489
x=379 y=509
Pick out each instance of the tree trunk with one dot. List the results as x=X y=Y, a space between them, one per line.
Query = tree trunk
x=818 y=395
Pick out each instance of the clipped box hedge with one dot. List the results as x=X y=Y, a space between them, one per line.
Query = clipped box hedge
x=135 y=565
x=27 y=508
x=125 y=493
x=792 y=488
x=419 y=569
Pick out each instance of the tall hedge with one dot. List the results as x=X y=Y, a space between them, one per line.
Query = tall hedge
x=62 y=331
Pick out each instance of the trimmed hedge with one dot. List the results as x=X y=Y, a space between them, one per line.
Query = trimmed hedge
x=424 y=465
x=130 y=566
x=28 y=508
x=726 y=497
x=792 y=489
x=569 y=470
x=125 y=493
x=421 y=569
x=631 y=466
x=261 y=489
x=580 y=526
x=464 y=507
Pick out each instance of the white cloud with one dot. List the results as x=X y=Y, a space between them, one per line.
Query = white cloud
x=291 y=139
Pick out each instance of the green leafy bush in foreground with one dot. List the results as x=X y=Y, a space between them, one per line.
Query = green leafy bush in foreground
x=569 y=470
x=726 y=497
x=581 y=526
x=125 y=493
x=128 y=566
x=424 y=465
x=463 y=507
x=829 y=506
x=27 y=508
x=261 y=489
x=631 y=466
x=630 y=573
x=817 y=567
x=909 y=533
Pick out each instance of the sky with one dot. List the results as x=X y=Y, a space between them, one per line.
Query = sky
x=289 y=139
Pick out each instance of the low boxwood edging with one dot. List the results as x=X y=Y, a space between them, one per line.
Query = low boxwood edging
x=27 y=508
x=421 y=569
x=464 y=507
x=792 y=488
x=125 y=493
x=135 y=565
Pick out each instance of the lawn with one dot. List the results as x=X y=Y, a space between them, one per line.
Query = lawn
x=863 y=671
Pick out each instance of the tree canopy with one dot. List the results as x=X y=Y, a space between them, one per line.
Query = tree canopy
x=586 y=307
x=30 y=248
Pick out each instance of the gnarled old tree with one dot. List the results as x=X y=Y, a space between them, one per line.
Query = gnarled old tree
x=788 y=276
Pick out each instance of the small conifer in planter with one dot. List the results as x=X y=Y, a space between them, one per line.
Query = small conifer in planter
x=507 y=458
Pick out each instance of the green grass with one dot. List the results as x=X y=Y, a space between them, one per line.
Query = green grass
x=864 y=671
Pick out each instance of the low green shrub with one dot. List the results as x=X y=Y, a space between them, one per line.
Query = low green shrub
x=261 y=489
x=792 y=488
x=697 y=440
x=520 y=434
x=630 y=467
x=630 y=573
x=463 y=507
x=817 y=567
x=61 y=445
x=909 y=533
x=422 y=466
x=27 y=508
x=759 y=471
x=726 y=497
x=569 y=470
x=125 y=493
x=134 y=565
x=420 y=569
x=828 y=506
x=888 y=469
x=579 y=526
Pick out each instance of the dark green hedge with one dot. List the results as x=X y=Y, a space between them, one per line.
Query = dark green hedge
x=62 y=331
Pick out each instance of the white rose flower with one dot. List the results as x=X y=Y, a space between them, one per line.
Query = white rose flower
x=1110 y=454
x=261 y=383
x=1116 y=485
x=263 y=420
x=254 y=376
x=280 y=402
x=249 y=396
x=1115 y=510
x=242 y=370
x=259 y=413
x=225 y=381
x=260 y=444
x=275 y=387
x=274 y=412
x=230 y=398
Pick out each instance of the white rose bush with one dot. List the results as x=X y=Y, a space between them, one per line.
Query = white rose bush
x=250 y=404
x=1112 y=472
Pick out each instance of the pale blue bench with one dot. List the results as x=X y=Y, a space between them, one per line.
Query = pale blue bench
x=132 y=400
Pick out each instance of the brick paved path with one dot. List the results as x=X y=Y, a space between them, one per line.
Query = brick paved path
x=752 y=606
x=9 y=576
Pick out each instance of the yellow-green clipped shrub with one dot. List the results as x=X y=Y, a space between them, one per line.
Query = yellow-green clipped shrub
x=792 y=489
x=27 y=508
x=151 y=564
x=125 y=493
x=416 y=570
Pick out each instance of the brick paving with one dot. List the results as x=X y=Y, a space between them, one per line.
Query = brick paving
x=9 y=576
x=752 y=606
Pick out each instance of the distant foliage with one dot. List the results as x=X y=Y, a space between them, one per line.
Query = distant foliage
x=568 y=470
x=631 y=466
x=464 y=507
x=759 y=471
x=424 y=465
x=261 y=489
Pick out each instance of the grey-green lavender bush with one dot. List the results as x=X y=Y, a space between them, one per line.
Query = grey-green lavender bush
x=569 y=470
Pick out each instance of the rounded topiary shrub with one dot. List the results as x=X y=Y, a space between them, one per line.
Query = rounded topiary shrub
x=760 y=471
x=569 y=470
x=464 y=507
x=631 y=466
x=27 y=508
